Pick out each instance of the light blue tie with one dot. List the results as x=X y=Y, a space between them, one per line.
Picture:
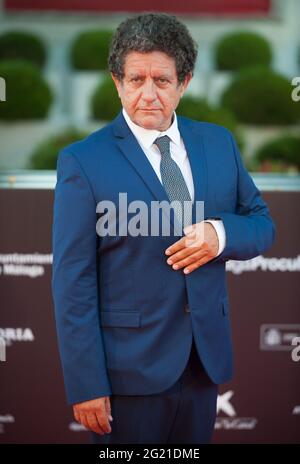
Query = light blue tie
x=173 y=181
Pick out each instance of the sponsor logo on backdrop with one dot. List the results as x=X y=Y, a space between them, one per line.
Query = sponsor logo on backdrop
x=20 y=265
x=5 y=419
x=231 y=421
x=279 y=337
x=33 y=265
x=260 y=263
x=11 y=335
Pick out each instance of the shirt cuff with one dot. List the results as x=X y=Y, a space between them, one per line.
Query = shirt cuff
x=220 y=231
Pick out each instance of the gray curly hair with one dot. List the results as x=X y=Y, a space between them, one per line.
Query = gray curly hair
x=153 y=32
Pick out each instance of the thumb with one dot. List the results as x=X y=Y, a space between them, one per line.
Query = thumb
x=188 y=230
x=108 y=408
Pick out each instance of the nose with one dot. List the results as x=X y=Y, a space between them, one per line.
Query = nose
x=149 y=91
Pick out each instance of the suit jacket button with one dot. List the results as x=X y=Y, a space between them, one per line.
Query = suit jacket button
x=187 y=308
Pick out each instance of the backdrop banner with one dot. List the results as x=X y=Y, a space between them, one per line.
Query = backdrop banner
x=215 y=7
x=261 y=404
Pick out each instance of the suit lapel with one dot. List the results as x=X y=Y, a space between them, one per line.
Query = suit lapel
x=193 y=143
x=134 y=154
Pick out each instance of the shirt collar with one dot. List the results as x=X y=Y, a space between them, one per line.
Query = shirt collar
x=146 y=137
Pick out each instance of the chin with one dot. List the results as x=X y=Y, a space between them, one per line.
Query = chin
x=148 y=122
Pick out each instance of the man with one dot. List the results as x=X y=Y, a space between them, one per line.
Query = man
x=143 y=320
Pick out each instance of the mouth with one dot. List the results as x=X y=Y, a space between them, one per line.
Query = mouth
x=149 y=109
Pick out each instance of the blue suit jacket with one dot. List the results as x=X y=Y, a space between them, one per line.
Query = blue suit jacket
x=119 y=306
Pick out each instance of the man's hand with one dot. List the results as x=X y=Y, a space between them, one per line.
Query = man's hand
x=94 y=414
x=199 y=246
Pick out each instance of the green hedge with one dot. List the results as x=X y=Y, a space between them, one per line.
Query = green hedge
x=28 y=95
x=90 y=50
x=105 y=102
x=261 y=96
x=16 y=45
x=199 y=110
x=45 y=155
x=283 y=153
x=241 y=50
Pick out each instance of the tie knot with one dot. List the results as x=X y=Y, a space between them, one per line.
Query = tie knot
x=163 y=144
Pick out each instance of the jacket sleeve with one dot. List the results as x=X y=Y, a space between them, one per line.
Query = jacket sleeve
x=74 y=283
x=250 y=230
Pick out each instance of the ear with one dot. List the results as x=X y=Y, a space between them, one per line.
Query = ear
x=117 y=83
x=185 y=83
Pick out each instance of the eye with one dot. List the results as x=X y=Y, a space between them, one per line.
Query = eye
x=162 y=80
x=136 y=79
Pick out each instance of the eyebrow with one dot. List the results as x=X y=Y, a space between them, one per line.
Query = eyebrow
x=158 y=76
x=135 y=74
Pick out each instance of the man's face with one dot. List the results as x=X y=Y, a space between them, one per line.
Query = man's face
x=150 y=91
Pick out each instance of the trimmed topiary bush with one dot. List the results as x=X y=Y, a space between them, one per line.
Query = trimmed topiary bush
x=28 y=95
x=25 y=46
x=261 y=96
x=105 y=102
x=199 y=110
x=284 y=150
x=90 y=50
x=241 y=50
x=45 y=155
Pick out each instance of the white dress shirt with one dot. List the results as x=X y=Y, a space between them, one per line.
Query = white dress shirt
x=146 y=138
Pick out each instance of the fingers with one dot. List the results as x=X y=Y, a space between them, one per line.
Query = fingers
x=90 y=422
x=196 y=264
x=184 y=247
x=103 y=419
x=179 y=245
x=94 y=415
x=108 y=408
x=83 y=421
x=184 y=253
x=195 y=260
x=194 y=237
x=93 y=424
x=190 y=259
x=103 y=422
x=76 y=414
x=199 y=246
x=191 y=248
